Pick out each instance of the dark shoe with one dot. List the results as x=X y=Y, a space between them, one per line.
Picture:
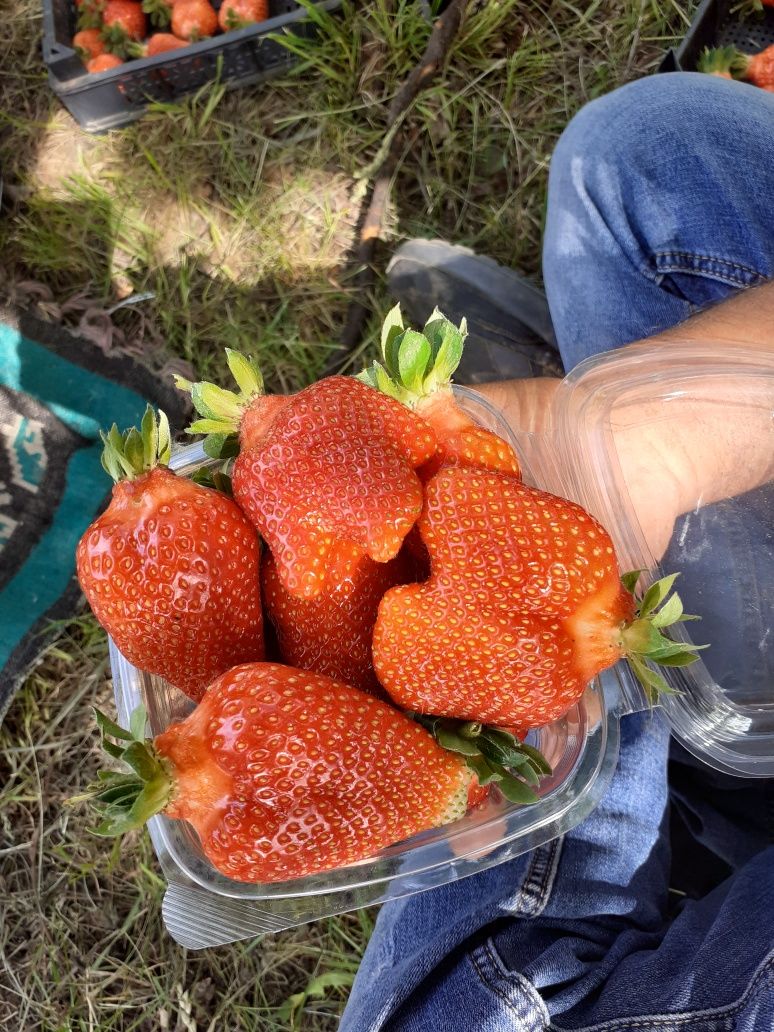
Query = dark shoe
x=509 y=327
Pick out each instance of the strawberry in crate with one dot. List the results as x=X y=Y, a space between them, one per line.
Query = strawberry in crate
x=236 y=14
x=730 y=63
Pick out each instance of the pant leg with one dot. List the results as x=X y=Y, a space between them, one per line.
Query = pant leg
x=659 y=203
x=576 y=933
x=430 y=964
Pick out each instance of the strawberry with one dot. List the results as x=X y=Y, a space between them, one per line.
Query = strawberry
x=171 y=569
x=161 y=42
x=331 y=633
x=729 y=62
x=284 y=773
x=334 y=463
x=523 y=607
x=122 y=22
x=103 y=63
x=235 y=14
x=417 y=370
x=89 y=44
x=194 y=20
x=756 y=68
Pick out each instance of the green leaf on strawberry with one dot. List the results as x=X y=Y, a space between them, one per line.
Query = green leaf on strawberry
x=494 y=754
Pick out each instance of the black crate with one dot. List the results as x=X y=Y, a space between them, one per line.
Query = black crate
x=120 y=95
x=715 y=26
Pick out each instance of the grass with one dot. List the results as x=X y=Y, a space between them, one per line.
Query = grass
x=226 y=220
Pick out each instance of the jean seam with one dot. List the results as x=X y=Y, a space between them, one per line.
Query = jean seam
x=719 y=1016
x=534 y=1014
x=536 y=888
x=708 y=258
x=723 y=269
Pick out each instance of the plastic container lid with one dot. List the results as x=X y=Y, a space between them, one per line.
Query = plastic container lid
x=721 y=716
x=704 y=414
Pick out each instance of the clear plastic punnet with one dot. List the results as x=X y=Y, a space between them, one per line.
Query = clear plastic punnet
x=728 y=725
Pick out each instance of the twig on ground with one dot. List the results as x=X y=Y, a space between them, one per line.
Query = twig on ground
x=445 y=29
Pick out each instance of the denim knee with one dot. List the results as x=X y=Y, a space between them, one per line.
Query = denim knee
x=650 y=123
x=658 y=205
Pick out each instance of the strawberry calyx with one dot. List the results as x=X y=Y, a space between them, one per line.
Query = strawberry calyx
x=642 y=641
x=495 y=755
x=716 y=60
x=222 y=410
x=135 y=50
x=416 y=365
x=215 y=479
x=234 y=21
x=89 y=17
x=159 y=12
x=727 y=62
x=130 y=454
x=117 y=40
x=127 y=801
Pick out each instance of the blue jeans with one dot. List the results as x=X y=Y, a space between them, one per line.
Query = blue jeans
x=661 y=201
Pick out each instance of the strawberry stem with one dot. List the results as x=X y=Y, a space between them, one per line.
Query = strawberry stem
x=129 y=454
x=222 y=410
x=127 y=801
x=415 y=365
x=642 y=640
x=495 y=755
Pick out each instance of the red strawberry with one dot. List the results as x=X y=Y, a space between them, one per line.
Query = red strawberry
x=334 y=463
x=194 y=20
x=417 y=370
x=89 y=44
x=331 y=633
x=162 y=42
x=122 y=20
x=284 y=773
x=171 y=569
x=235 y=14
x=103 y=63
x=523 y=607
x=757 y=68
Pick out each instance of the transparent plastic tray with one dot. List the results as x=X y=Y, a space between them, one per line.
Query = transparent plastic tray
x=575 y=458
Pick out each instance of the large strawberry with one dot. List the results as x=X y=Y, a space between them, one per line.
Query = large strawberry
x=194 y=20
x=416 y=369
x=331 y=633
x=171 y=569
x=285 y=773
x=334 y=463
x=523 y=607
x=236 y=14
